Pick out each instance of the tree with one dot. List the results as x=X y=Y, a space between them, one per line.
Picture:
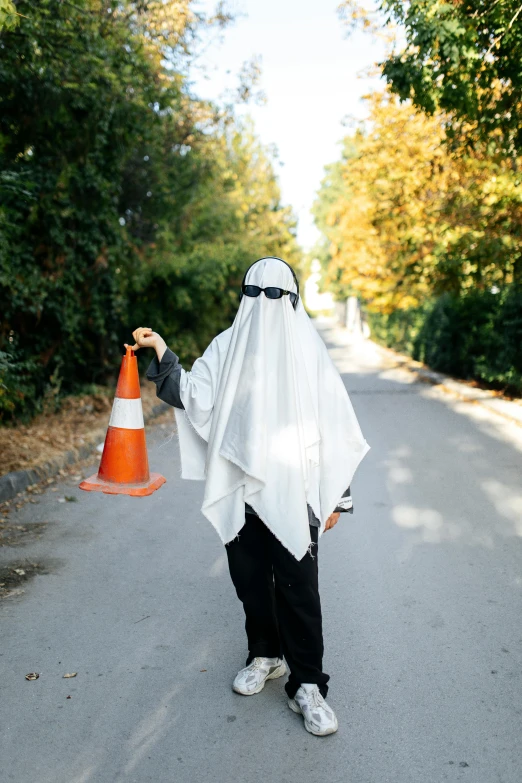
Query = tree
x=462 y=58
x=413 y=218
x=125 y=199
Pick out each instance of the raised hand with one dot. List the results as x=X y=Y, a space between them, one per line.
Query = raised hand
x=146 y=338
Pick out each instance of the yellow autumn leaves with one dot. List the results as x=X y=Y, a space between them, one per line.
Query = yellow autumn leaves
x=407 y=215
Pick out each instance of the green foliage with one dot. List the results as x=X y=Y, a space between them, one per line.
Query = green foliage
x=125 y=200
x=399 y=329
x=9 y=17
x=18 y=382
x=475 y=336
x=463 y=58
x=73 y=103
x=428 y=221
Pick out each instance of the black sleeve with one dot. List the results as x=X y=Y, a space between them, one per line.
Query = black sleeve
x=349 y=503
x=166 y=375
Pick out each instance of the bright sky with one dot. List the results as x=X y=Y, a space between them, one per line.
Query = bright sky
x=310 y=78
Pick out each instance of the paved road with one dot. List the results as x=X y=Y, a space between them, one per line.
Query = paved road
x=422 y=602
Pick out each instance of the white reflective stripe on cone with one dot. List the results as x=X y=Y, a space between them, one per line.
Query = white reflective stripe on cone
x=127 y=414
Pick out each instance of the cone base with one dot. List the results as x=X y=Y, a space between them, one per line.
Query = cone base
x=96 y=484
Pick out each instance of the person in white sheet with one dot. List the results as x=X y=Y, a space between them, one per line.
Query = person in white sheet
x=264 y=419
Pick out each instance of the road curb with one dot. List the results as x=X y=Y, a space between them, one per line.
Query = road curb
x=509 y=409
x=18 y=480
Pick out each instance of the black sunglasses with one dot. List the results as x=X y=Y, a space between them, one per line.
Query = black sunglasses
x=271 y=292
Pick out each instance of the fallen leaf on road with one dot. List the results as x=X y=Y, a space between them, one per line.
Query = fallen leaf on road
x=202 y=670
x=68 y=697
x=19 y=571
x=71 y=499
x=61 y=500
x=72 y=674
x=32 y=676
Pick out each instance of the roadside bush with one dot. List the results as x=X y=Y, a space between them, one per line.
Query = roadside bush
x=398 y=329
x=126 y=200
x=473 y=336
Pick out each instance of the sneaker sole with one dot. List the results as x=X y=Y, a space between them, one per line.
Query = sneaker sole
x=294 y=706
x=279 y=672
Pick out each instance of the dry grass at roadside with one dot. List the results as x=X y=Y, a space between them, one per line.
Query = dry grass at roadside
x=81 y=420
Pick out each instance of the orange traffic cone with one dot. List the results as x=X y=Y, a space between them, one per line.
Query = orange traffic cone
x=124 y=466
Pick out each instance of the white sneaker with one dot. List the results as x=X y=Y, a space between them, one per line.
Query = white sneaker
x=252 y=678
x=319 y=718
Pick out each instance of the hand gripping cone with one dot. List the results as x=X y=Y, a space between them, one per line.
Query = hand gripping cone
x=124 y=466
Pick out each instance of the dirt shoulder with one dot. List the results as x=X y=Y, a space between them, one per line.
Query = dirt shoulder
x=81 y=421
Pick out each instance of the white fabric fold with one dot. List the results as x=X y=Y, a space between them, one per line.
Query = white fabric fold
x=267 y=419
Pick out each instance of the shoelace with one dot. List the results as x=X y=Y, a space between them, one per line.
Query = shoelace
x=257 y=663
x=314 y=698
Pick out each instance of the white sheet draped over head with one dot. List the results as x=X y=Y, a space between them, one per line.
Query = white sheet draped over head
x=267 y=419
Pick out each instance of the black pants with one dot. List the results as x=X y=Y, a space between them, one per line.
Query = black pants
x=280 y=597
